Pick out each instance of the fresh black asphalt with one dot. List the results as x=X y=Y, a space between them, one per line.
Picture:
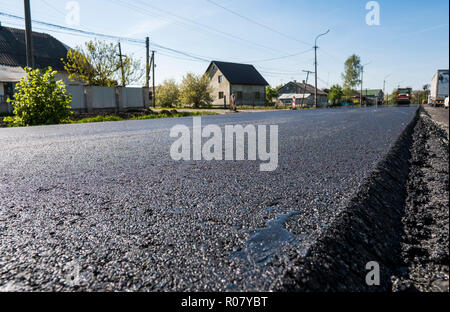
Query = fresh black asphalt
x=107 y=198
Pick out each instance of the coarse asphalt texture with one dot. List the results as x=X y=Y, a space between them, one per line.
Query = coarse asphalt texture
x=103 y=206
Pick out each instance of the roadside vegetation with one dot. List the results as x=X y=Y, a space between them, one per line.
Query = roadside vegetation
x=98 y=63
x=194 y=91
x=163 y=114
x=39 y=100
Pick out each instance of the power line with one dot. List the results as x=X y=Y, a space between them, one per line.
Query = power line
x=90 y=33
x=208 y=28
x=281 y=57
x=110 y=37
x=63 y=13
x=53 y=7
x=160 y=48
x=257 y=23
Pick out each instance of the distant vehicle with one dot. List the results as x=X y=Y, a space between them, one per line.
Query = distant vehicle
x=439 y=88
x=403 y=96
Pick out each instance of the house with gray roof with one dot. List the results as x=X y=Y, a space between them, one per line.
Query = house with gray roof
x=47 y=51
x=242 y=80
x=303 y=93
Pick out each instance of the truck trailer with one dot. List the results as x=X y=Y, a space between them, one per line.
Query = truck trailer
x=439 y=88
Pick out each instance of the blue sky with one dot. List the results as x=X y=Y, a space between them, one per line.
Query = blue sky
x=409 y=45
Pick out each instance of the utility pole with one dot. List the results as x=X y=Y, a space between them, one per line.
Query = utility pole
x=121 y=65
x=360 y=94
x=153 y=79
x=384 y=88
x=147 y=62
x=304 y=86
x=28 y=34
x=362 y=78
x=315 y=65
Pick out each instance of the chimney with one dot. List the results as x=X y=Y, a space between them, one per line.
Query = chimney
x=295 y=81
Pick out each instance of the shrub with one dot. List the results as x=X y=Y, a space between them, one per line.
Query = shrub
x=167 y=94
x=196 y=91
x=40 y=100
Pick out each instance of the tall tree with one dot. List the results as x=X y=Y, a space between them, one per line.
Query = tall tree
x=195 y=90
x=352 y=74
x=98 y=64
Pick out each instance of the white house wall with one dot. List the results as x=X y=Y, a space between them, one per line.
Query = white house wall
x=217 y=87
x=248 y=94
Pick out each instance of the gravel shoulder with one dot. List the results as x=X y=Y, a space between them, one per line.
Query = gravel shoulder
x=425 y=244
x=439 y=115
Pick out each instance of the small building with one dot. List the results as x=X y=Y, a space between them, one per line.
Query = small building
x=373 y=97
x=47 y=51
x=296 y=89
x=300 y=99
x=242 y=80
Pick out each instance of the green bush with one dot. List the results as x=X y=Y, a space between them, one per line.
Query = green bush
x=167 y=94
x=40 y=100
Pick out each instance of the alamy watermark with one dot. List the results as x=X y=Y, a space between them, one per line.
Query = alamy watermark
x=73 y=14
x=73 y=273
x=373 y=17
x=260 y=145
x=373 y=277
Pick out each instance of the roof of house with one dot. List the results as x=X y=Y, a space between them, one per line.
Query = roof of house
x=11 y=73
x=307 y=88
x=47 y=50
x=240 y=73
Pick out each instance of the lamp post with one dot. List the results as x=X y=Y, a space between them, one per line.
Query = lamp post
x=315 y=65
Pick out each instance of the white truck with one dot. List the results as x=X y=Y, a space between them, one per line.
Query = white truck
x=439 y=88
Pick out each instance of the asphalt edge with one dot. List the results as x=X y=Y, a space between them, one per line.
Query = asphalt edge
x=369 y=229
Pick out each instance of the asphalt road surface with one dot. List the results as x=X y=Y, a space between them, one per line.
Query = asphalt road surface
x=104 y=207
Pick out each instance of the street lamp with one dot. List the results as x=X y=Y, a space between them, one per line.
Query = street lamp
x=315 y=64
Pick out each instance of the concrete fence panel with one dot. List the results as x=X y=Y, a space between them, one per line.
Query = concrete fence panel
x=101 y=98
x=132 y=98
x=93 y=98
x=78 y=99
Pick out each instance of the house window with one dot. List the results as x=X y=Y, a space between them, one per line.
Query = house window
x=257 y=96
x=239 y=95
x=220 y=79
x=221 y=95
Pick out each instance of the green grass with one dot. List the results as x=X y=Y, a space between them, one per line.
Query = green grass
x=98 y=119
x=179 y=114
x=151 y=116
